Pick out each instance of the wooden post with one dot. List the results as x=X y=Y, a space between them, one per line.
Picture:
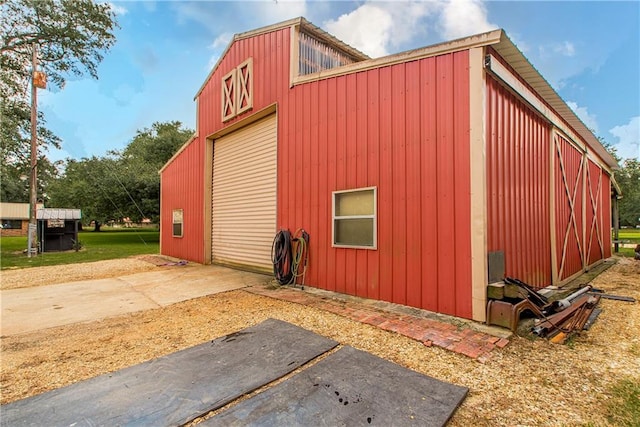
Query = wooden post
x=33 y=234
x=552 y=206
x=616 y=225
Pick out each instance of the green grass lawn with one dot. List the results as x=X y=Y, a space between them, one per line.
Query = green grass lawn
x=631 y=234
x=107 y=244
x=628 y=235
x=623 y=409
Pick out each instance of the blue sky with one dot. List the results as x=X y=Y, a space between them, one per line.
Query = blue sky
x=588 y=51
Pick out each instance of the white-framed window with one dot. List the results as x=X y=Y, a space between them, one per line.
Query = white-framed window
x=177 y=223
x=355 y=218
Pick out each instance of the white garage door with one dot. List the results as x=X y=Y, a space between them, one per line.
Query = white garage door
x=243 y=200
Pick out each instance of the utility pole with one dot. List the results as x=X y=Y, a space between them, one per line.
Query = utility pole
x=32 y=249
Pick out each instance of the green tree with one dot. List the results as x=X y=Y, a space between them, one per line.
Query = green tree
x=88 y=184
x=15 y=183
x=71 y=36
x=140 y=163
x=628 y=178
x=124 y=183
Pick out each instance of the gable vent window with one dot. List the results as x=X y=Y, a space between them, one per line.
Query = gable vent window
x=317 y=56
x=237 y=90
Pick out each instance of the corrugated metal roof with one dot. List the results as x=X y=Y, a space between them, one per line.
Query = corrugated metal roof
x=55 y=213
x=14 y=210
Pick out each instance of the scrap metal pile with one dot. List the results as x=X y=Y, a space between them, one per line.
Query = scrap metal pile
x=565 y=316
x=556 y=320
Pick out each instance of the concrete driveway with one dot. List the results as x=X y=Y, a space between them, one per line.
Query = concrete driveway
x=32 y=309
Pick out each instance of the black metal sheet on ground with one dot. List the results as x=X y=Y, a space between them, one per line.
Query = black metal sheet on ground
x=349 y=388
x=179 y=387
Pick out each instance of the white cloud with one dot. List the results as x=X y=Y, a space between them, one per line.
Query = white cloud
x=518 y=41
x=221 y=41
x=550 y=51
x=117 y=9
x=367 y=28
x=565 y=48
x=628 y=135
x=462 y=18
x=583 y=114
x=375 y=27
x=218 y=45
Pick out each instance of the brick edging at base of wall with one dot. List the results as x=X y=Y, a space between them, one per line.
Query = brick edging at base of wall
x=462 y=340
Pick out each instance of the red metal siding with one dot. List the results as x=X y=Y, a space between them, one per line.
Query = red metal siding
x=183 y=179
x=270 y=53
x=518 y=186
x=569 y=175
x=594 y=243
x=182 y=186
x=401 y=128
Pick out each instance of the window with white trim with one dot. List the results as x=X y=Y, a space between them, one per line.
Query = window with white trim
x=355 y=218
x=177 y=223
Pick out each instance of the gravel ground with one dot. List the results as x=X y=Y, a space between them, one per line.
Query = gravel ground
x=530 y=382
x=50 y=275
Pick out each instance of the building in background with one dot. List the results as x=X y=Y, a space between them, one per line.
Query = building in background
x=14 y=218
x=58 y=229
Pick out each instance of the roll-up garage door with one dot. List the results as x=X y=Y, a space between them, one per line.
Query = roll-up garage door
x=243 y=200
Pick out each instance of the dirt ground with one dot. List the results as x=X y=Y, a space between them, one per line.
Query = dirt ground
x=529 y=382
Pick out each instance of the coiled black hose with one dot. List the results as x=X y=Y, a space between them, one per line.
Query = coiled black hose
x=281 y=257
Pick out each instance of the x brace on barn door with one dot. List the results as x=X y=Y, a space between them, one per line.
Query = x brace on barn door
x=594 y=221
x=571 y=199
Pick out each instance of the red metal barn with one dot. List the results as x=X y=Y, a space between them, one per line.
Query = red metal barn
x=407 y=171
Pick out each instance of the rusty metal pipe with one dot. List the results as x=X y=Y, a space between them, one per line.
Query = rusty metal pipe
x=566 y=302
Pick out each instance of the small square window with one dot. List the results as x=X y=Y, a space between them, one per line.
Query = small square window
x=354 y=218
x=177 y=222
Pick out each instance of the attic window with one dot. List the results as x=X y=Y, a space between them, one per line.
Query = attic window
x=237 y=90
x=315 y=56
